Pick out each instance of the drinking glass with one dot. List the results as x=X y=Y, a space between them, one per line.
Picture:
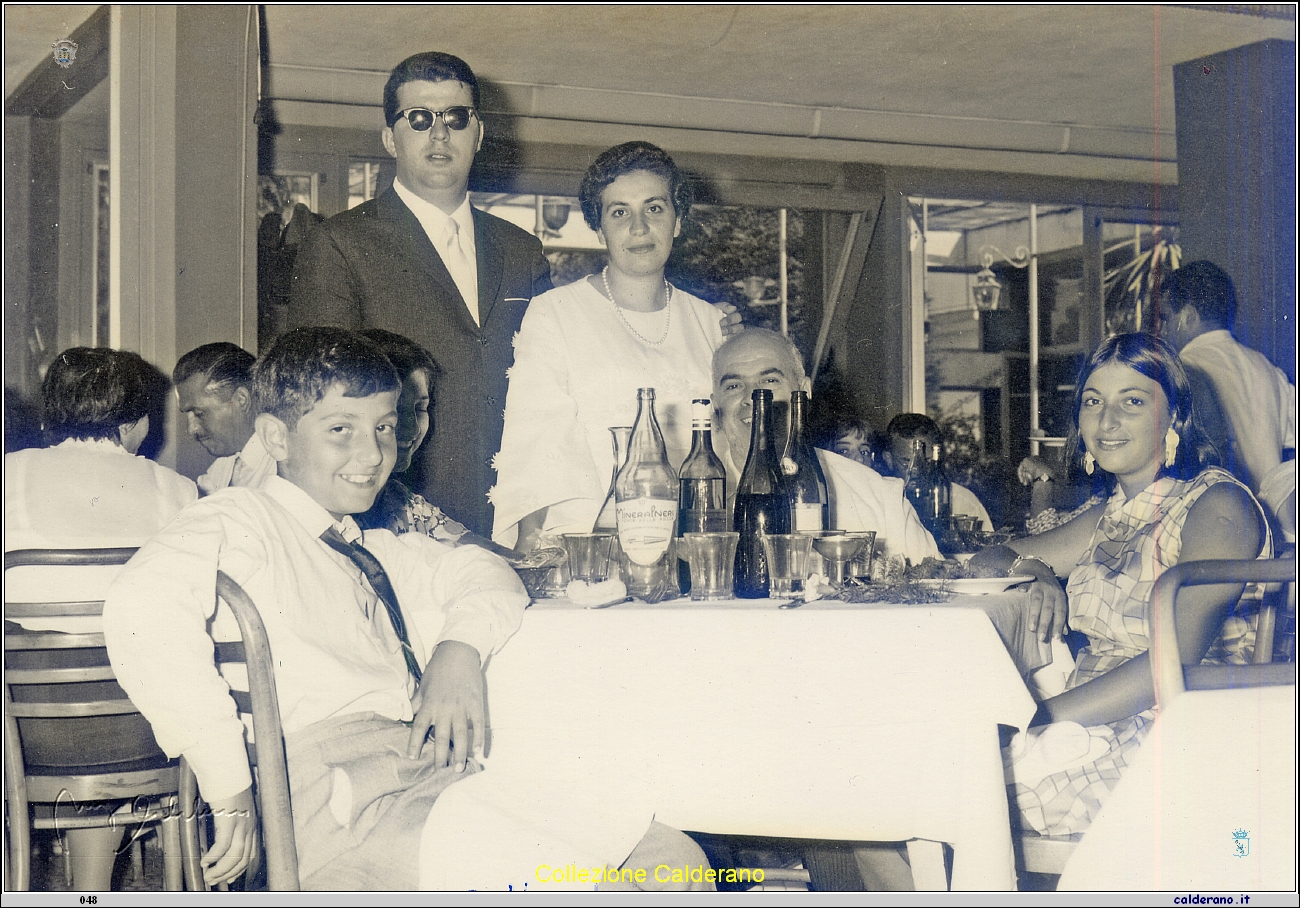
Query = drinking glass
x=712 y=557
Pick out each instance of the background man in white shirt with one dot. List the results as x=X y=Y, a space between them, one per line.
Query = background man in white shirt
x=1245 y=403
x=214 y=389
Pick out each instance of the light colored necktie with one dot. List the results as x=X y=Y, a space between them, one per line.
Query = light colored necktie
x=462 y=270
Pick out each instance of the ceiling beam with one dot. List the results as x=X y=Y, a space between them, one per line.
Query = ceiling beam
x=1128 y=153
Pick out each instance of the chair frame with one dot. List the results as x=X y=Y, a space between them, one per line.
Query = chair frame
x=1170 y=676
x=160 y=784
x=262 y=702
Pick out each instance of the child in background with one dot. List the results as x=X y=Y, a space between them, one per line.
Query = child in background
x=848 y=437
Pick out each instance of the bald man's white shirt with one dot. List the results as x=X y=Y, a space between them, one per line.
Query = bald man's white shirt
x=862 y=499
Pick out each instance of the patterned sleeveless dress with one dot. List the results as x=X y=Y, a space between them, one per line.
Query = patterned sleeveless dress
x=1109 y=593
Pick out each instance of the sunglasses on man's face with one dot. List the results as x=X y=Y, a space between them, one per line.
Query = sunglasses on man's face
x=422 y=119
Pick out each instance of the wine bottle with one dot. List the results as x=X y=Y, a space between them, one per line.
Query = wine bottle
x=940 y=489
x=646 y=502
x=703 y=483
x=805 y=484
x=917 y=482
x=702 y=486
x=939 y=504
x=761 y=503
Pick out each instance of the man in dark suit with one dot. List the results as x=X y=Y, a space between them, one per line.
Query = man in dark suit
x=419 y=260
x=280 y=235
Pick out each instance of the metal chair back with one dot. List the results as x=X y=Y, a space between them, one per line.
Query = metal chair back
x=266 y=753
x=73 y=685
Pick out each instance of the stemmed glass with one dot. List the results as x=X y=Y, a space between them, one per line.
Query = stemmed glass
x=839 y=549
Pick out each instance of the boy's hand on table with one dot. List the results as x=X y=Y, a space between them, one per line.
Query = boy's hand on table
x=450 y=704
x=235 y=839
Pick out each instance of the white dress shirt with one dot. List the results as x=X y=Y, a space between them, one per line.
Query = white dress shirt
x=1257 y=400
x=247 y=468
x=863 y=500
x=335 y=650
x=442 y=230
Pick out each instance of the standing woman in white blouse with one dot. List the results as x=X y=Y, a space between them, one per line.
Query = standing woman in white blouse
x=585 y=348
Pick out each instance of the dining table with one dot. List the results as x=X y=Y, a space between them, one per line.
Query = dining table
x=831 y=720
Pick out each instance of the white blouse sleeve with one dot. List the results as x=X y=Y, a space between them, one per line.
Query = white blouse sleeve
x=544 y=458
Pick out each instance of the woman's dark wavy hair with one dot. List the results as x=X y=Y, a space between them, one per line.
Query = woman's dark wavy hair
x=405 y=354
x=629 y=158
x=305 y=364
x=1148 y=355
x=90 y=392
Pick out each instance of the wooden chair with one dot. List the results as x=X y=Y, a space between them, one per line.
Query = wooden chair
x=79 y=701
x=1048 y=854
x=266 y=751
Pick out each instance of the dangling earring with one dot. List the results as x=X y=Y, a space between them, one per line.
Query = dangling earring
x=1171 y=446
x=1089 y=462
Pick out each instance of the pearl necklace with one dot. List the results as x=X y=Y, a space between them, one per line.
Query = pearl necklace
x=668 y=295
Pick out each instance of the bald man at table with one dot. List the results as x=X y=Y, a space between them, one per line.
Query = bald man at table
x=861 y=499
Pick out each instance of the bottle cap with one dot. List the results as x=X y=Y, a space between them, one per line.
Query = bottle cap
x=702 y=413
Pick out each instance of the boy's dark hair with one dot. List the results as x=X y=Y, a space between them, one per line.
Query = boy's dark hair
x=630 y=157
x=1206 y=288
x=304 y=364
x=836 y=426
x=405 y=354
x=914 y=425
x=227 y=366
x=91 y=392
x=430 y=66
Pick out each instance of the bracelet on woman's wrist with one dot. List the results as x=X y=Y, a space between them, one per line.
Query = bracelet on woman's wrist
x=1021 y=559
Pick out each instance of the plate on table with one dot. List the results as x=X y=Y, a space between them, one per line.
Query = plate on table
x=979 y=586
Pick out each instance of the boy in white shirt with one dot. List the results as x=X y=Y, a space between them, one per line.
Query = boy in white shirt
x=376 y=648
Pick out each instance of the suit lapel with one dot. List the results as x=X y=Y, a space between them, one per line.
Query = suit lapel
x=491 y=265
x=392 y=209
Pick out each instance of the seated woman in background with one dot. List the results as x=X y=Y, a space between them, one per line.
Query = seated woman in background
x=397 y=508
x=585 y=349
x=1133 y=422
x=88 y=489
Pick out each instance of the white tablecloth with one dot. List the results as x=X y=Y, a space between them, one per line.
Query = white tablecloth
x=1215 y=762
x=827 y=721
